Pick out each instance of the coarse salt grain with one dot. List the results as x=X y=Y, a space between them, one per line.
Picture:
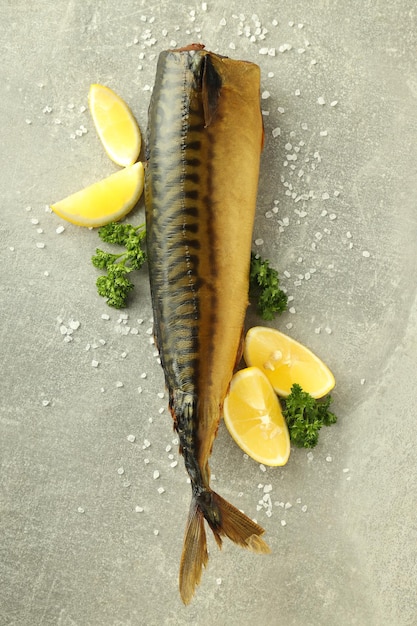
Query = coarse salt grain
x=321 y=100
x=120 y=471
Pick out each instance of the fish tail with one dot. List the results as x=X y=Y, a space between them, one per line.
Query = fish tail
x=225 y=520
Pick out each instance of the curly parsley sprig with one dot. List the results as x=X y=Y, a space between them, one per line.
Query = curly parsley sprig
x=115 y=285
x=265 y=289
x=305 y=416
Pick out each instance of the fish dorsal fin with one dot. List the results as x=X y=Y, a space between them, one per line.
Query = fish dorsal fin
x=211 y=88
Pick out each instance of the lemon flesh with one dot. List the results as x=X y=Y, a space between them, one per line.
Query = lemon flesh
x=253 y=417
x=285 y=361
x=108 y=200
x=115 y=124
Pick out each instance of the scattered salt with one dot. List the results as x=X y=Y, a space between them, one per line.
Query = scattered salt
x=131 y=438
x=120 y=471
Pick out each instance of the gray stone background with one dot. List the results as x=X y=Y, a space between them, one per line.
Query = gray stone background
x=74 y=548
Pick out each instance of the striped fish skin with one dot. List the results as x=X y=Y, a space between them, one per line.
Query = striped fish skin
x=204 y=142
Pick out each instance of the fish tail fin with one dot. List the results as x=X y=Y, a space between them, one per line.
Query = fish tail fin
x=194 y=553
x=225 y=520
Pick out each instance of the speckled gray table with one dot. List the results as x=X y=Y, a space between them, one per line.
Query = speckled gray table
x=92 y=523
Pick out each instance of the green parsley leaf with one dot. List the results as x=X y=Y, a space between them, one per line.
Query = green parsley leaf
x=305 y=416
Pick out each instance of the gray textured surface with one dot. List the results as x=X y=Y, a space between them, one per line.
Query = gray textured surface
x=350 y=558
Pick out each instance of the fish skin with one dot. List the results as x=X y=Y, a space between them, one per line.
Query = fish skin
x=204 y=141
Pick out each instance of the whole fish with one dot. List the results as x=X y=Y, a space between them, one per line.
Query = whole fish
x=204 y=142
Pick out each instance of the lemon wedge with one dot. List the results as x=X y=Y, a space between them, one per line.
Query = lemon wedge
x=115 y=125
x=285 y=361
x=108 y=200
x=253 y=417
